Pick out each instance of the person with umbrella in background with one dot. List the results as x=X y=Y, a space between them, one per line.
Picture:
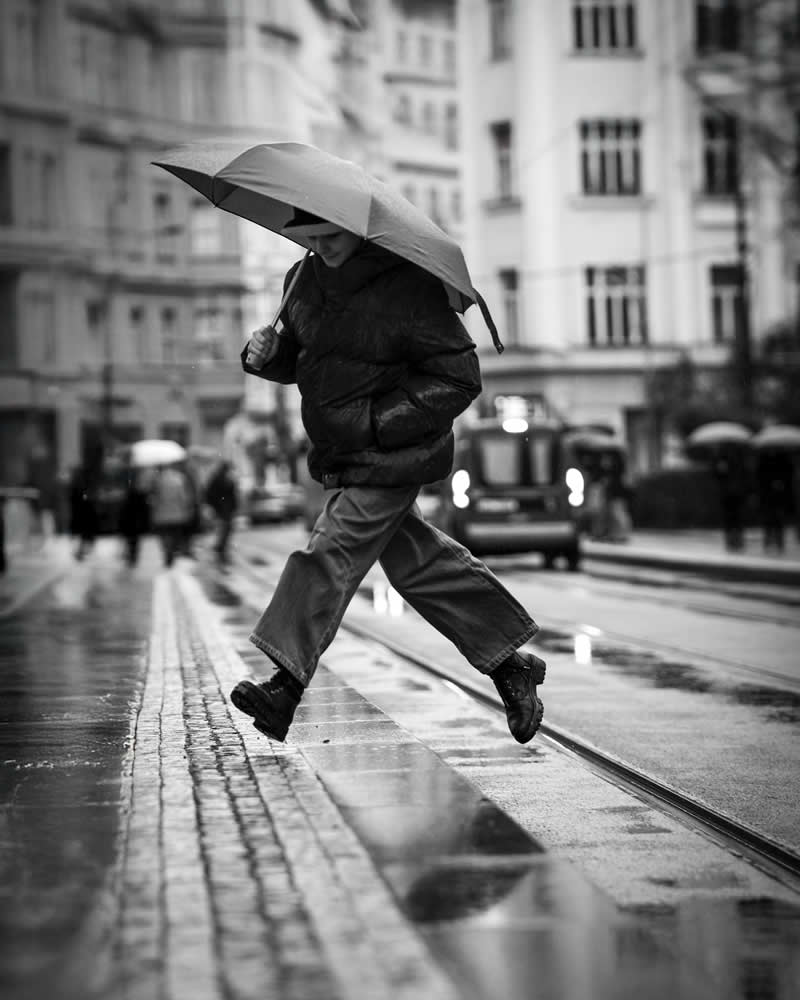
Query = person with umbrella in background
x=384 y=365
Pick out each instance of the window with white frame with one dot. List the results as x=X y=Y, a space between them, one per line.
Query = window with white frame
x=718 y=25
x=616 y=306
x=401 y=46
x=164 y=226
x=429 y=117
x=499 y=29
x=205 y=229
x=451 y=126
x=611 y=156
x=720 y=154
x=402 y=109
x=603 y=26
x=40 y=323
x=209 y=330
x=449 y=56
x=425 y=50
x=726 y=302
x=501 y=139
x=509 y=290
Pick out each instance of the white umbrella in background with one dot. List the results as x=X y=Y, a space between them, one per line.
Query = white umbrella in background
x=707 y=437
x=778 y=437
x=156 y=451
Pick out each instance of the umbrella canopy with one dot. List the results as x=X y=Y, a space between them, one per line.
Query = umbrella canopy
x=156 y=451
x=595 y=441
x=778 y=437
x=719 y=432
x=265 y=183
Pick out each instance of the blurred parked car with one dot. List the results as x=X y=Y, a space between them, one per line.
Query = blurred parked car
x=274 y=502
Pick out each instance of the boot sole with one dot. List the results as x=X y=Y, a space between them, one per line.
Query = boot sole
x=249 y=700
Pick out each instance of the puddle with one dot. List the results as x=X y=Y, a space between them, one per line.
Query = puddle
x=778 y=705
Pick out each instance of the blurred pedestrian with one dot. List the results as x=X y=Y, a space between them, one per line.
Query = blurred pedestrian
x=83 y=507
x=384 y=365
x=134 y=515
x=617 y=494
x=775 y=494
x=221 y=496
x=172 y=510
x=729 y=466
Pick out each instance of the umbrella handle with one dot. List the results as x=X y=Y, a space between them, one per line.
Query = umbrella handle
x=250 y=356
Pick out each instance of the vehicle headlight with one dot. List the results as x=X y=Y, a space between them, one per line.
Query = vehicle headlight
x=574 y=478
x=459 y=485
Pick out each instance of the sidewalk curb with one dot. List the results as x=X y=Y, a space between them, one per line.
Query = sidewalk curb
x=713 y=566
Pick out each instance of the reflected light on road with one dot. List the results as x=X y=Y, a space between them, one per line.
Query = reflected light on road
x=583 y=649
x=386 y=600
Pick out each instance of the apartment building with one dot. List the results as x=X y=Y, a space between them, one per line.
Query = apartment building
x=614 y=185
x=421 y=120
x=124 y=297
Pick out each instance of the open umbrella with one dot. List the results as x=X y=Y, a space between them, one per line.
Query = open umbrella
x=778 y=437
x=156 y=451
x=265 y=183
x=719 y=432
x=594 y=441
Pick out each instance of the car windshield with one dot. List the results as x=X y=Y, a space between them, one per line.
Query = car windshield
x=518 y=459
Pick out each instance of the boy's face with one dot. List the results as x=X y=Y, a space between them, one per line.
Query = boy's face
x=335 y=248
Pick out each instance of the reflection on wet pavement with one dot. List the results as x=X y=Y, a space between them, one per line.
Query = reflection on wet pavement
x=780 y=705
x=507 y=919
x=72 y=672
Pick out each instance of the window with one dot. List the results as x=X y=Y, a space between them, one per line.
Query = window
x=410 y=192
x=600 y=26
x=726 y=302
x=169 y=335
x=433 y=204
x=209 y=331
x=616 y=306
x=6 y=194
x=25 y=50
x=451 y=126
x=455 y=204
x=610 y=156
x=499 y=29
x=449 y=57
x=205 y=230
x=425 y=50
x=402 y=109
x=9 y=281
x=509 y=287
x=164 y=228
x=401 y=46
x=720 y=154
x=207 y=92
x=429 y=117
x=40 y=323
x=501 y=137
x=139 y=336
x=96 y=315
x=718 y=25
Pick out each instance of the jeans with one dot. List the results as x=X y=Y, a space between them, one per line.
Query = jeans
x=439 y=578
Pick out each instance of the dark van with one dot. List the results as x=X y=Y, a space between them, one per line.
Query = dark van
x=511 y=491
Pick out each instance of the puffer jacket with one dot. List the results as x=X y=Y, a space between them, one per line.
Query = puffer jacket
x=383 y=365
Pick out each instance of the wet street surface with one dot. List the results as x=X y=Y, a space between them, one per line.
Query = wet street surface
x=400 y=844
x=73 y=667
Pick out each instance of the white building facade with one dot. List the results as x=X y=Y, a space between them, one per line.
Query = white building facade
x=600 y=196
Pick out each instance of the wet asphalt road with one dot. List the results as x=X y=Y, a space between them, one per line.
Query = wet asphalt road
x=73 y=663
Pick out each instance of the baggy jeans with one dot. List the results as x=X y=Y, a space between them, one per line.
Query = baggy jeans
x=436 y=575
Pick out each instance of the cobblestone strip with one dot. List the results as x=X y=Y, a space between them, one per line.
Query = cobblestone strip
x=164 y=939
x=371 y=949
